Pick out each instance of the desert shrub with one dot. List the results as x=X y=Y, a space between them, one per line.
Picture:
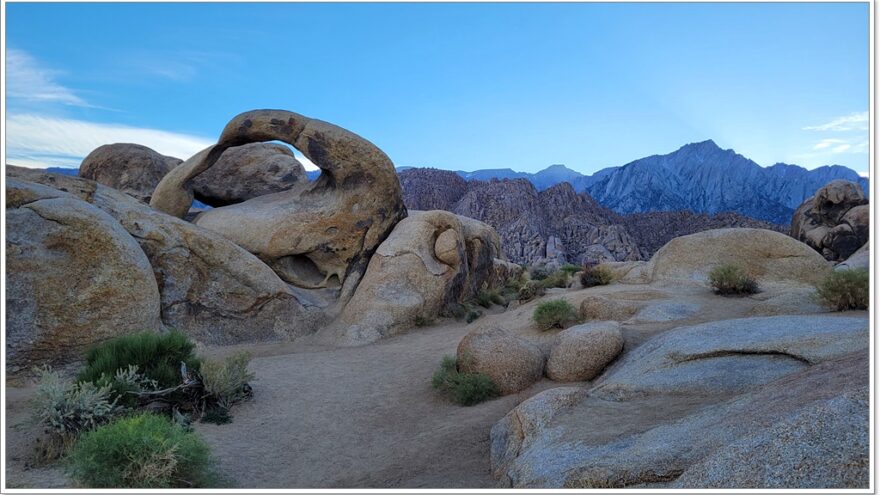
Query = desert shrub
x=225 y=382
x=466 y=389
x=156 y=356
x=559 y=279
x=594 y=275
x=141 y=451
x=731 y=279
x=454 y=310
x=423 y=321
x=570 y=269
x=845 y=289
x=68 y=409
x=486 y=298
x=539 y=272
x=473 y=314
x=530 y=290
x=556 y=313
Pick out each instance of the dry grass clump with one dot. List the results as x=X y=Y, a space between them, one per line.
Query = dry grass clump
x=554 y=314
x=729 y=279
x=846 y=289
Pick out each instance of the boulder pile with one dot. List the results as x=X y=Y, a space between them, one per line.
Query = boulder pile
x=278 y=257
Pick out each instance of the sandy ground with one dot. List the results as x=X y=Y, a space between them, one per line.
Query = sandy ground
x=325 y=417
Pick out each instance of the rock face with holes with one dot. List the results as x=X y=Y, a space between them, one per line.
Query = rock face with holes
x=431 y=260
x=834 y=221
x=316 y=234
x=705 y=405
x=245 y=172
x=130 y=168
x=769 y=257
x=210 y=288
x=74 y=277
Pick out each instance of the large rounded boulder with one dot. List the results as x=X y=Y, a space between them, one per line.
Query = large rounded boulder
x=130 y=168
x=512 y=362
x=210 y=288
x=74 y=277
x=245 y=172
x=431 y=261
x=583 y=351
x=768 y=256
x=834 y=221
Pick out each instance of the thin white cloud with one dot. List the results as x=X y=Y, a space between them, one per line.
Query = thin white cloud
x=26 y=79
x=852 y=122
x=841 y=148
x=38 y=141
x=827 y=143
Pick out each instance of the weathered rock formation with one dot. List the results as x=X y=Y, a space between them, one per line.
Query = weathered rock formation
x=699 y=405
x=431 y=260
x=769 y=257
x=582 y=352
x=557 y=224
x=130 y=168
x=245 y=172
x=511 y=362
x=74 y=277
x=316 y=234
x=835 y=221
x=209 y=288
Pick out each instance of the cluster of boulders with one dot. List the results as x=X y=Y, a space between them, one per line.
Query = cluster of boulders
x=273 y=255
x=835 y=221
x=684 y=388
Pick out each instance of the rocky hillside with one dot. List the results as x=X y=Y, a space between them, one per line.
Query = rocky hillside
x=556 y=223
x=700 y=177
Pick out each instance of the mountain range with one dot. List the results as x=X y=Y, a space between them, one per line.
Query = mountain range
x=700 y=177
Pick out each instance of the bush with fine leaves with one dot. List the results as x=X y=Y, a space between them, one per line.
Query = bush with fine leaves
x=142 y=451
x=845 y=289
x=731 y=279
x=156 y=357
x=68 y=409
x=556 y=313
x=593 y=275
x=225 y=383
x=465 y=389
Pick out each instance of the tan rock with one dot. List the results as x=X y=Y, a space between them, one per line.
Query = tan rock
x=835 y=221
x=583 y=351
x=511 y=362
x=859 y=259
x=74 y=278
x=607 y=308
x=447 y=249
x=769 y=257
x=247 y=171
x=316 y=234
x=406 y=279
x=130 y=168
x=211 y=289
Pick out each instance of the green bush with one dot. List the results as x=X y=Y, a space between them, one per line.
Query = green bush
x=845 y=289
x=454 y=310
x=530 y=290
x=570 y=269
x=731 y=279
x=142 y=451
x=68 y=409
x=473 y=314
x=486 y=298
x=465 y=389
x=556 y=313
x=594 y=275
x=156 y=356
x=226 y=382
x=559 y=279
x=539 y=272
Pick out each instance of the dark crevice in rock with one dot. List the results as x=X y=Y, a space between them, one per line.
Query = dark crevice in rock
x=722 y=353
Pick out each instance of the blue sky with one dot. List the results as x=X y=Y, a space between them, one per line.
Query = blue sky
x=456 y=86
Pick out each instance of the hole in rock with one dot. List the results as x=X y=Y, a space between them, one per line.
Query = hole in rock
x=300 y=270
